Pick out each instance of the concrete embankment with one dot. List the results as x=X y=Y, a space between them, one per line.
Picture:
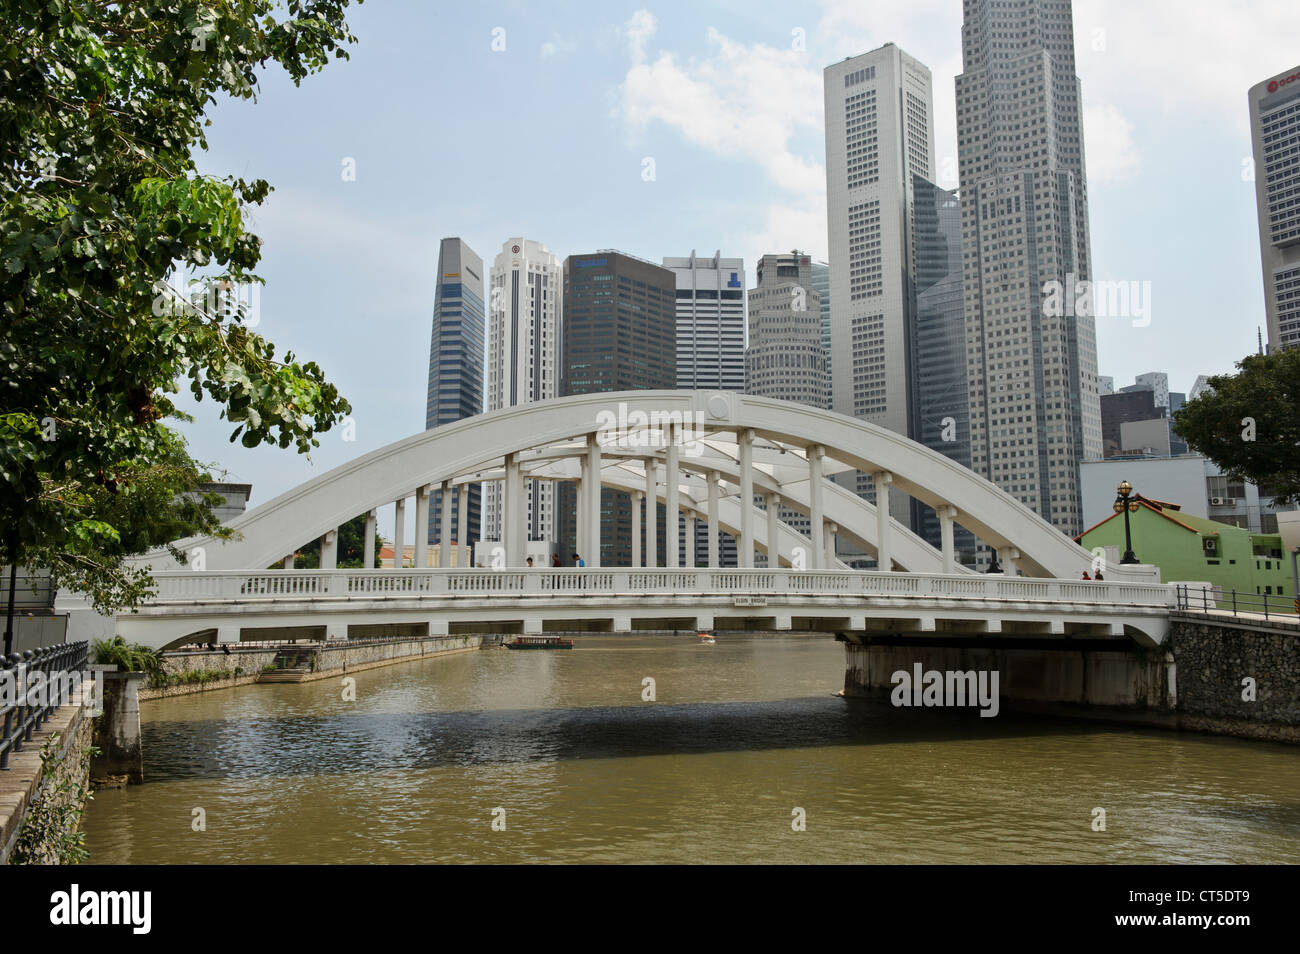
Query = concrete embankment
x=1219 y=676
x=190 y=671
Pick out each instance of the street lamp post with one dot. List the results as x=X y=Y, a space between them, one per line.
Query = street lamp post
x=1125 y=506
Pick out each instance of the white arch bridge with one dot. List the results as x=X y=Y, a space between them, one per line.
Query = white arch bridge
x=733 y=461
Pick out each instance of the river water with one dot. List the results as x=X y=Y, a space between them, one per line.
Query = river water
x=562 y=749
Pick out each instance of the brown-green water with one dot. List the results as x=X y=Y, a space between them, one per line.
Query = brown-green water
x=741 y=734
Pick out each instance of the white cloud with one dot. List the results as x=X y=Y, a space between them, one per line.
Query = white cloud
x=1109 y=149
x=743 y=101
x=1198 y=58
x=638 y=30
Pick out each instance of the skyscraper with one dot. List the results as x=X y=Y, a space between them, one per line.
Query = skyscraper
x=710 y=322
x=785 y=358
x=1275 y=138
x=527 y=293
x=456 y=365
x=1035 y=414
x=879 y=135
x=940 y=409
x=618 y=333
x=821 y=282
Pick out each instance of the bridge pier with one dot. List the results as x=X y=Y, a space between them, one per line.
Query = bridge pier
x=1034 y=673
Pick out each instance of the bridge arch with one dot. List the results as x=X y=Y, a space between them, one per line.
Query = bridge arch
x=793 y=451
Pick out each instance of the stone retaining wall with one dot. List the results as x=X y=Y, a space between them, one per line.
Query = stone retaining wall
x=1214 y=659
x=40 y=816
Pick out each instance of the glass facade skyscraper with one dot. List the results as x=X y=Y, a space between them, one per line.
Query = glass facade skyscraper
x=456 y=365
x=940 y=409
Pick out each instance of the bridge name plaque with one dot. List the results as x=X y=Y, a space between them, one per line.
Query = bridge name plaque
x=749 y=601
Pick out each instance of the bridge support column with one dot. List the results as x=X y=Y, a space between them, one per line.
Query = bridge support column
x=773 y=531
x=672 y=501
x=532 y=627
x=946 y=514
x=329 y=550
x=692 y=528
x=288 y=562
x=831 y=530
x=227 y=634
x=816 y=454
x=622 y=624
x=745 y=550
x=651 y=512
x=580 y=511
x=592 y=501
x=884 y=551
x=444 y=526
x=462 y=526
x=1008 y=556
x=399 y=532
x=368 y=546
x=637 y=498
x=713 y=519
x=703 y=623
x=438 y=627
x=782 y=621
x=515 y=511
x=421 y=527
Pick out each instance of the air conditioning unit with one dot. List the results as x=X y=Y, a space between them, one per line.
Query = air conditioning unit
x=1218 y=502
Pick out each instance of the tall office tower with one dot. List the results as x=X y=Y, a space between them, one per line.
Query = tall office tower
x=456 y=366
x=527 y=294
x=710 y=322
x=785 y=358
x=618 y=333
x=940 y=410
x=879 y=135
x=821 y=282
x=1275 y=138
x=710 y=345
x=1032 y=364
x=1105 y=384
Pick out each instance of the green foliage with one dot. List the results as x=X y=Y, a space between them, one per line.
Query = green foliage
x=51 y=832
x=129 y=657
x=102 y=108
x=1250 y=423
x=351 y=548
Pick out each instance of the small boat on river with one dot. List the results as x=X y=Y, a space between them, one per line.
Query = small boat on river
x=539 y=642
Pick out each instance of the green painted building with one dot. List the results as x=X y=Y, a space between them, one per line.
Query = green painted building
x=1196 y=549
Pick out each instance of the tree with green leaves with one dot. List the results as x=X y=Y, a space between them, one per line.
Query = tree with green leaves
x=351 y=552
x=102 y=109
x=1249 y=423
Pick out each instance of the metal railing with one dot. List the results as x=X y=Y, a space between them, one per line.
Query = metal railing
x=20 y=713
x=1212 y=599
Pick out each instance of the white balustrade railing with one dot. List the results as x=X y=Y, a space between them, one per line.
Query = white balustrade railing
x=233 y=585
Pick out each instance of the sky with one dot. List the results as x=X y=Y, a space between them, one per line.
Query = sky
x=657 y=129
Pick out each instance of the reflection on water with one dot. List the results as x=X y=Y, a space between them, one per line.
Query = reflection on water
x=741 y=734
